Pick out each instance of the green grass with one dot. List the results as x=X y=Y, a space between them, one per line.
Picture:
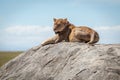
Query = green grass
x=6 y=56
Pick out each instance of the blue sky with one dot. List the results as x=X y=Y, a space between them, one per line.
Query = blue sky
x=26 y=23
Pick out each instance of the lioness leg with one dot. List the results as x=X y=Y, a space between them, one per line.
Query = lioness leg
x=92 y=37
x=52 y=40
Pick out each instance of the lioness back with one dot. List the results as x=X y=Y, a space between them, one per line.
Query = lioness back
x=83 y=34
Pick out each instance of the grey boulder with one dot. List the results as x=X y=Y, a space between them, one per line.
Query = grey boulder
x=65 y=61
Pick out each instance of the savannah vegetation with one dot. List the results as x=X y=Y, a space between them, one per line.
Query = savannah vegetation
x=5 y=56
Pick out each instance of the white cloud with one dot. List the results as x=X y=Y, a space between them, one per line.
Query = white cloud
x=25 y=37
x=27 y=30
x=109 y=34
x=107 y=28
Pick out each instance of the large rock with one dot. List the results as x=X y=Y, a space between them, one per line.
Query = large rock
x=65 y=61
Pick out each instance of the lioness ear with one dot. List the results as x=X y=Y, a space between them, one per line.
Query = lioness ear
x=65 y=19
x=54 y=19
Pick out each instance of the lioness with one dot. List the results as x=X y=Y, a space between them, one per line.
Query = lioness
x=66 y=31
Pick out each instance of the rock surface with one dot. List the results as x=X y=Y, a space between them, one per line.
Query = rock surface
x=65 y=61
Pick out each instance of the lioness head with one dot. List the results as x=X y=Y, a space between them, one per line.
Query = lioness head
x=60 y=25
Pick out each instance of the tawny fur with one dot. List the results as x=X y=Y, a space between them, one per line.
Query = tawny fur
x=66 y=31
